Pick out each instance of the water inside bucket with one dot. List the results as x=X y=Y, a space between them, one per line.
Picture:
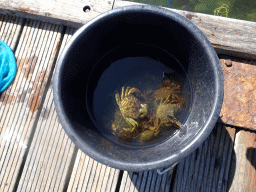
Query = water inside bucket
x=144 y=76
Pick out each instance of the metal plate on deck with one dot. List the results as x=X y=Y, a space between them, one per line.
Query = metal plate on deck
x=239 y=105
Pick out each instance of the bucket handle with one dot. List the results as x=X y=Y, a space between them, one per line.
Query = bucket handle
x=167 y=169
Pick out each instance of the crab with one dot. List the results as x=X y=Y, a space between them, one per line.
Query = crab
x=118 y=123
x=151 y=129
x=130 y=105
x=170 y=90
x=166 y=112
x=164 y=117
x=171 y=95
x=128 y=133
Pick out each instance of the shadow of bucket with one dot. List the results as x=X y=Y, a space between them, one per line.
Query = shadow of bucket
x=211 y=166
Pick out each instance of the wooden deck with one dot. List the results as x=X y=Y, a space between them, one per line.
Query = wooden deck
x=37 y=155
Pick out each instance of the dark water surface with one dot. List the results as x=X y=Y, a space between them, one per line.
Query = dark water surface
x=140 y=71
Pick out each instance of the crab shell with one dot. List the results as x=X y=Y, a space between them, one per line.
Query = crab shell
x=129 y=104
x=165 y=110
x=130 y=107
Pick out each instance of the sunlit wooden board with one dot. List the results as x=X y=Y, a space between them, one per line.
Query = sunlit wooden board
x=51 y=153
x=146 y=181
x=10 y=27
x=244 y=163
x=20 y=103
x=63 y=12
x=228 y=36
x=89 y=175
x=207 y=168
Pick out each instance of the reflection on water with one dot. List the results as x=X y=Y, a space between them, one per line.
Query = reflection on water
x=222 y=10
x=145 y=102
x=237 y=9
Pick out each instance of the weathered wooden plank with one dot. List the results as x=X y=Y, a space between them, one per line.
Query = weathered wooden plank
x=69 y=12
x=207 y=168
x=228 y=36
x=35 y=54
x=89 y=175
x=11 y=31
x=145 y=181
x=10 y=115
x=51 y=151
x=245 y=164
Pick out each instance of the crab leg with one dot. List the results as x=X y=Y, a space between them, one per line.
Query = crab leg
x=122 y=94
x=134 y=90
x=157 y=130
x=126 y=91
x=117 y=99
x=132 y=122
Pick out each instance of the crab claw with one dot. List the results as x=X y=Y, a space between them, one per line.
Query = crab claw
x=132 y=122
x=144 y=108
x=173 y=120
x=133 y=90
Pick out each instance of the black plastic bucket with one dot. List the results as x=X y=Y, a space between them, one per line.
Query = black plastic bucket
x=133 y=25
